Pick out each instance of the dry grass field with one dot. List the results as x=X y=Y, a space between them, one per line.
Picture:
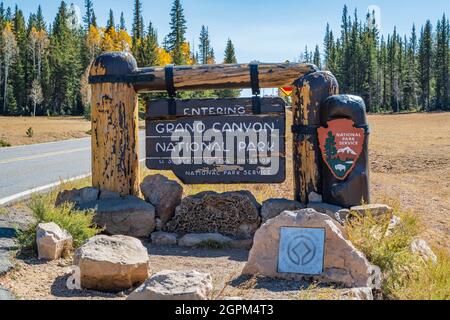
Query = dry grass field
x=45 y=129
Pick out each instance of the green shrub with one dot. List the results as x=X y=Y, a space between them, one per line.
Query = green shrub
x=405 y=275
x=77 y=223
x=4 y=143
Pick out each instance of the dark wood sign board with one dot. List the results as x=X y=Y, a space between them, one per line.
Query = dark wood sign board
x=209 y=134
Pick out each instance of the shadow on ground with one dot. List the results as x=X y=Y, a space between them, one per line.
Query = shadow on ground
x=175 y=251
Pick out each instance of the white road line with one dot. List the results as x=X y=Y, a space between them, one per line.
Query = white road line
x=43 y=155
x=26 y=194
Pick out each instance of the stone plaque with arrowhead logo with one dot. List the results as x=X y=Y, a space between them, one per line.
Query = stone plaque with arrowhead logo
x=301 y=250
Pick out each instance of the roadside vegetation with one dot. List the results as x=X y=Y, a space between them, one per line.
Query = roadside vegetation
x=406 y=275
x=4 y=143
x=78 y=223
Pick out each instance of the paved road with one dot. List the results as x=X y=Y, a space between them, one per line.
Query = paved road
x=38 y=167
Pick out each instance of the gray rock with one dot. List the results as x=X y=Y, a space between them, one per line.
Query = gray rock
x=395 y=222
x=196 y=239
x=164 y=238
x=77 y=196
x=376 y=210
x=233 y=214
x=5 y=263
x=357 y=294
x=8 y=244
x=273 y=207
x=6 y=294
x=106 y=195
x=7 y=239
x=343 y=215
x=128 y=216
x=421 y=248
x=112 y=264
x=245 y=244
x=164 y=194
x=52 y=241
x=328 y=209
x=342 y=264
x=175 y=285
x=314 y=197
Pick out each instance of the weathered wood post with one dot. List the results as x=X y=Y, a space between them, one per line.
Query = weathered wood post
x=115 y=148
x=309 y=92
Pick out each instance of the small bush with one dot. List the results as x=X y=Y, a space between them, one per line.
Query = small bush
x=77 y=223
x=30 y=132
x=405 y=275
x=4 y=143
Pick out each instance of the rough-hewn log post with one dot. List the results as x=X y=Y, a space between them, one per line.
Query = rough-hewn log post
x=115 y=148
x=310 y=91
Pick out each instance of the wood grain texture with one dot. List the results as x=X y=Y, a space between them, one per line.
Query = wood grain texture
x=115 y=147
x=309 y=93
x=221 y=76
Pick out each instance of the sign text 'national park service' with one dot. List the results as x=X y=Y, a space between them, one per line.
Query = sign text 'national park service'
x=215 y=141
x=341 y=145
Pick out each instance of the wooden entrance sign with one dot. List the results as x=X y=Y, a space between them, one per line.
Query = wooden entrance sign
x=116 y=82
x=216 y=141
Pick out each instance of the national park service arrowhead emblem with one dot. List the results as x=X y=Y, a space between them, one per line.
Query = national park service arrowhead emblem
x=341 y=145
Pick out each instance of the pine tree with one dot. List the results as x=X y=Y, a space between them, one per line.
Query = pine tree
x=425 y=63
x=123 y=25
x=229 y=58
x=176 y=38
x=204 y=46
x=330 y=146
x=441 y=64
x=138 y=23
x=18 y=71
x=88 y=18
x=111 y=24
x=316 y=58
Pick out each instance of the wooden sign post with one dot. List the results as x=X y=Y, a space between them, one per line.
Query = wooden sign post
x=116 y=82
x=310 y=91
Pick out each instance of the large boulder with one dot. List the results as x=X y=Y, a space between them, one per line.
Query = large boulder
x=173 y=285
x=164 y=194
x=112 y=264
x=197 y=239
x=342 y=263
x=130 y=216
x=273 y=207
x=232 y=214
x=52 y=241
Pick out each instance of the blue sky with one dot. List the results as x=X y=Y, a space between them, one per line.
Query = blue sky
x=268 y=31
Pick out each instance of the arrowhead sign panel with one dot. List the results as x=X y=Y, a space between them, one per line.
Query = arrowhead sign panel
x=287 y=91
x=341 y=145
x=212 y=141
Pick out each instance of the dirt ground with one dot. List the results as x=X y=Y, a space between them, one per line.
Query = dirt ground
x=34 y=280
x=410 y=164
